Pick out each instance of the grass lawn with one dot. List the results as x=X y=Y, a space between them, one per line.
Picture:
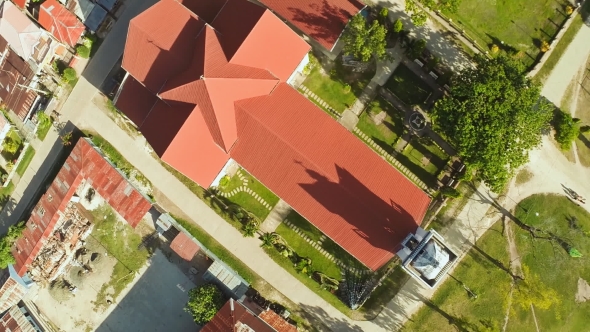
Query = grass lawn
x=25 y=161
x=556 y=269
x=452 y=309
x=305 y=226
x=520 y=24
x=407 y=86
x=43 y=130
x=333 y=89
x=246 y=200
x=302 y=248
x=387 y=133
x=412 y=158
x=121 y=242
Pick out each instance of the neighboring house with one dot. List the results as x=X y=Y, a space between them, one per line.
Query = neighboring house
x=84 y=169
x=31 y=43
x=90 y=13
x=234 y=316
x=12 y=288
x=321 y=20
x=209 y=86
x=20 y=319
x=64 y=25
x=16 y=81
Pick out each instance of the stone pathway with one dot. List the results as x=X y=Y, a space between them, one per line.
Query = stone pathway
x=244 y=188
x=318 y=246
x=319 y=101
x=391 y=159
x=276 y=217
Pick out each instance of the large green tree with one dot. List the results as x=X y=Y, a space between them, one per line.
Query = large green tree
x=204 y=302
x=363 y=40
x=6 y=242
x=494 y=116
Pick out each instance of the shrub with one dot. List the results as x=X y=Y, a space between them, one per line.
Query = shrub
x=69 y=74
x=566 y=129
x=398 y=26
x=544 y=46
x=346 y=88
x=250 y=228
x=494 y=48
x=83 y=51
x=10 y=145
x=450 y=192
x=569 y=9
x=224 y=181
x=383 y=12
x=203 y=302
x=43 y=118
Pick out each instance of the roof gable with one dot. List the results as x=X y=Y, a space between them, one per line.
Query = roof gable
x=64 y=25
x=18 y=30
x=322 y=20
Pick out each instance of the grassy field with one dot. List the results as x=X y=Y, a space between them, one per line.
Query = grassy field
x=305 y=226
x=556 y=269
x=24 y=163
x=246 y=200
x=333 y=88
x=412 y=158
x=407 y=86
x=387 y=133
x=121 y=242
x=452 y=309
x=520 y=24
x=543 y=260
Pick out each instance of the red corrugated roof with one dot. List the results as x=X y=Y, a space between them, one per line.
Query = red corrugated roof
x=327 y=175
x=225 y=320
x=15 y=72
x=84 y=162
x=64 y=25
x=20 y=3
x=276 y=321
x=244 y=53
x=322 y=20
x=184 y=246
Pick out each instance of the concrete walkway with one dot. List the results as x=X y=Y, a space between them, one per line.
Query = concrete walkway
x=276 y=217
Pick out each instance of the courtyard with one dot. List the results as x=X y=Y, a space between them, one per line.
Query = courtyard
x=560 y=280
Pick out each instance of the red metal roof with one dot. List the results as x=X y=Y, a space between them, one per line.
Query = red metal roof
x=84 y=162
x=20 y=3
x=276 y=321
x=225 y=320
x=322 y=20
x=184 y=246
x=327 y=175
x=64 y=25
x=14 y=72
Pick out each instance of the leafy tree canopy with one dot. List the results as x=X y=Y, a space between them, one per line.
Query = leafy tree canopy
x=494 y=116
x=204 y=302
x=362 y=40
x=6 y=242
x=417 y=15
x=398 y=26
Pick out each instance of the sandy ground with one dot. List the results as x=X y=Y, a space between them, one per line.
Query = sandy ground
x=154 y=301
x=583 y=293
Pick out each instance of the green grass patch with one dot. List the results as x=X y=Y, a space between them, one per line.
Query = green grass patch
x=43 y=129
x=554 y=266
x=451 y=308
x=387 y=133
x=25 y=161
x=520 y=24
x=408 y=87
x=246 y=200
x=423 y=158
x=562 y=45
x=583 y=146
x=121 y=242
x=304 y=249
x=339 y=88
x=305 y=226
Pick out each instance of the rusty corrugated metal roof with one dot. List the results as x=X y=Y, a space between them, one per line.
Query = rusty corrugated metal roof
x=84 y=162
x=184 y=246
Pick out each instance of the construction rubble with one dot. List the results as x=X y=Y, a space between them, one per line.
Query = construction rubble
x=60 y=248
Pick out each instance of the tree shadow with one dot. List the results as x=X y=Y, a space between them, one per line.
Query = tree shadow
x=495 y=262
x=462 y=324
x=584 y=140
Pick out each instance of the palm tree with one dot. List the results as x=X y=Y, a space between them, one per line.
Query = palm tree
x=213 y=195
x=268 y=239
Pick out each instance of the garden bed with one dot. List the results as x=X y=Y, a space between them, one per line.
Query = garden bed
x=386 y=133
x=423 y=158
x=408 y=87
